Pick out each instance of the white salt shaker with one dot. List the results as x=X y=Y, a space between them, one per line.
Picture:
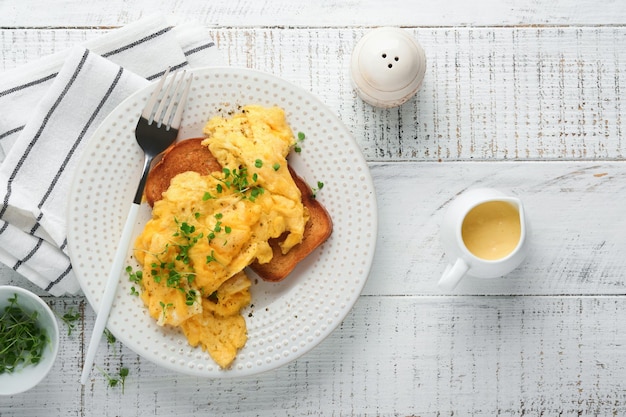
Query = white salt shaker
x=388 y=67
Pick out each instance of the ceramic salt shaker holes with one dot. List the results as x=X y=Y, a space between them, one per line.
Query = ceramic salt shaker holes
x=485 y=234
x=388 y=67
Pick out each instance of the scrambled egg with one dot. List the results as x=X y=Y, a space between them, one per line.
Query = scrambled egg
x=207 y=229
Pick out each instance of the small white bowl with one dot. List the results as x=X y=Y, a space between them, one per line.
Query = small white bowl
x=27 y=377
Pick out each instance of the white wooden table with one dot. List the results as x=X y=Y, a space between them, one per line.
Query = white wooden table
x=523 y=95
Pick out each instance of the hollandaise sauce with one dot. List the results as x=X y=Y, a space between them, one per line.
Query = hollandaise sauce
x=492 y=230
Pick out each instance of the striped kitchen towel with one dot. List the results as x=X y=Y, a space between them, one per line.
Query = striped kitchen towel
x=48 y=111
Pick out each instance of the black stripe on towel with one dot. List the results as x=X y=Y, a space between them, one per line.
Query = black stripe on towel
x=59 y=278
x=199 y=48
x=38 y=134
x=137 y=42
x=28 y=84
x=12 y=131
x=80 y=138
x=172 y=68
x=29 y=255
x=106 y=54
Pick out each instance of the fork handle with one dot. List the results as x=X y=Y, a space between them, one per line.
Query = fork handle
x=147 y=161
x=109 y=291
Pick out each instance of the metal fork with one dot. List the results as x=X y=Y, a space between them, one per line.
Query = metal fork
x=155 y=132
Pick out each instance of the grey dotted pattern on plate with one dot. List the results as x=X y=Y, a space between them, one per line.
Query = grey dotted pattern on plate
x=286 y=319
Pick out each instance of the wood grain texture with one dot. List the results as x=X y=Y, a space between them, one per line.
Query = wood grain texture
x=505 y=94
x=524 y=96
x=323 y=13
x=488 y=94
x=393 y=355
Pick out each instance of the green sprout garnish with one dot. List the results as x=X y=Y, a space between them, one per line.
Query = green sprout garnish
x=320 y=185
x=70 y=318
x=297 y=148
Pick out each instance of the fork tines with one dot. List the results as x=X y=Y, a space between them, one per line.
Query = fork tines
x=162 y=107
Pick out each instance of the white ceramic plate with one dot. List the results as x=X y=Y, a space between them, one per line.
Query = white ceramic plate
x=286 y=319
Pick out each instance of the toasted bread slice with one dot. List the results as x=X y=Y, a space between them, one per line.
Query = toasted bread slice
x=191 y=155
x=187 y=155
x=316 y=231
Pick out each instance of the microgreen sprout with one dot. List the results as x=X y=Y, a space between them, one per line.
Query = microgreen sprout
x=297 y=147
x=190 y=297
x=164 y=307
x=70 y=318
x=238 y=180
x=110 y=340
x=134 y=277
x=210 y=258
x=186 y=233
x=320 y=185
x=109 y=336
x=115 y=381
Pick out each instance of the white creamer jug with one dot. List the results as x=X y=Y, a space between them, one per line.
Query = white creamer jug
x=485 y=234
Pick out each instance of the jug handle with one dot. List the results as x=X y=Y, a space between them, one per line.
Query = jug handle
x=452 y=275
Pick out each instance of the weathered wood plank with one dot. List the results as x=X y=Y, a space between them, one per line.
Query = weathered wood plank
x=505 y=94
x=479 y=356
x=489 y=93
x=322 y=13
